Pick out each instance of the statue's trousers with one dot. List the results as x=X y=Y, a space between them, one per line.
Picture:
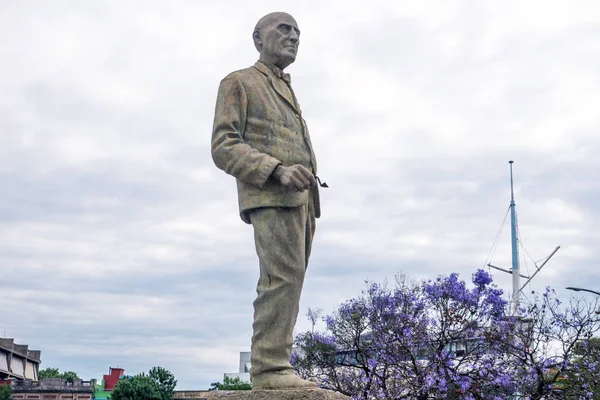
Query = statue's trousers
x=283 y=238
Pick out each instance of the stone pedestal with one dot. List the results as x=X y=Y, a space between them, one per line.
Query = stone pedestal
x=310 y=394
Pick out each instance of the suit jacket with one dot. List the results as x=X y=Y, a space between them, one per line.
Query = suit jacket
x=258 y=125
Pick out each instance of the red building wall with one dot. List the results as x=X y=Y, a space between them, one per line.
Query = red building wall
x=112 y=378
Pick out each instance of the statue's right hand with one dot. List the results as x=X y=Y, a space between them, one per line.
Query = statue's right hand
x=296 y=177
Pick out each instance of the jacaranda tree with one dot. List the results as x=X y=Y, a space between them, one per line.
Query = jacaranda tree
x=586 y=376
x=437 y=339
x=443 y=339
x=553 y=349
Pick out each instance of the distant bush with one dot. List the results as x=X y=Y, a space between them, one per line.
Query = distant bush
x=231 y=384
x=159 y=384
x=5 y=392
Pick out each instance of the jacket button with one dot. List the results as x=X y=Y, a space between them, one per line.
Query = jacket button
x=297 y=116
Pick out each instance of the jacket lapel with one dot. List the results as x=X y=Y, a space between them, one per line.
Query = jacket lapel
x=288 y=96
x=282 y=91
x=277 y=85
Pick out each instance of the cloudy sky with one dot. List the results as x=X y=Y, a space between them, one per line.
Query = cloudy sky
x=120 y=241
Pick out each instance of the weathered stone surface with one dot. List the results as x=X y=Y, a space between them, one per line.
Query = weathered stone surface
x=310 y=394
x=260 y=138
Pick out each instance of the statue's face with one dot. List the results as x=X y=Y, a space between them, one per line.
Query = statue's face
x=280 y=38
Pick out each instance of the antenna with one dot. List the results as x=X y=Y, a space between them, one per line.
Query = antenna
x=515 y=270
x=514 y=245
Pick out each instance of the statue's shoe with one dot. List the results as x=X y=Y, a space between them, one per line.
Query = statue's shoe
x=280 y=381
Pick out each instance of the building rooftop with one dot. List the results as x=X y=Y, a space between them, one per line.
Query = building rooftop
x=54 y=385
x=17 y=361
x=9 y=345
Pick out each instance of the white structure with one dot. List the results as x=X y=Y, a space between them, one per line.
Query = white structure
x=244 y=368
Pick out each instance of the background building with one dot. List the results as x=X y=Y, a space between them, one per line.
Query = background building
x=104 y=389
x=53 y=388
x=244 y=368
x=17 y=362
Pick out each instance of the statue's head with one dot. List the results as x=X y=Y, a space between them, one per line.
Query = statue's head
x=276 y=38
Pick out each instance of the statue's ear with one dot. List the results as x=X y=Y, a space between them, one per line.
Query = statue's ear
x=257 y=40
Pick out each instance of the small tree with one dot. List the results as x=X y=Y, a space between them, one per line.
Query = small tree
x=139 y=387
x=49 y=373
x=69 y=376
x=165 y=380
x=159 y=384
x=231 y=384
x=586 y=375
x=5 y=392
x=553 y=351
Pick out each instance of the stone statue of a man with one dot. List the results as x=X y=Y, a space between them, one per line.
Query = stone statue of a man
x=260 y=137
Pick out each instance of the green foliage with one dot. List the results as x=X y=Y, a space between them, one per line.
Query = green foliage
x=49 y=373
x=165 y=380
x=231 y=384
x=139 y=387
x=5 y=392
x=70 y=376
x=584 y=378
x=159 y=384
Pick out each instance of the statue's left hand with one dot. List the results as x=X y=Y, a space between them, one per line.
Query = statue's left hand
x=295 y=177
